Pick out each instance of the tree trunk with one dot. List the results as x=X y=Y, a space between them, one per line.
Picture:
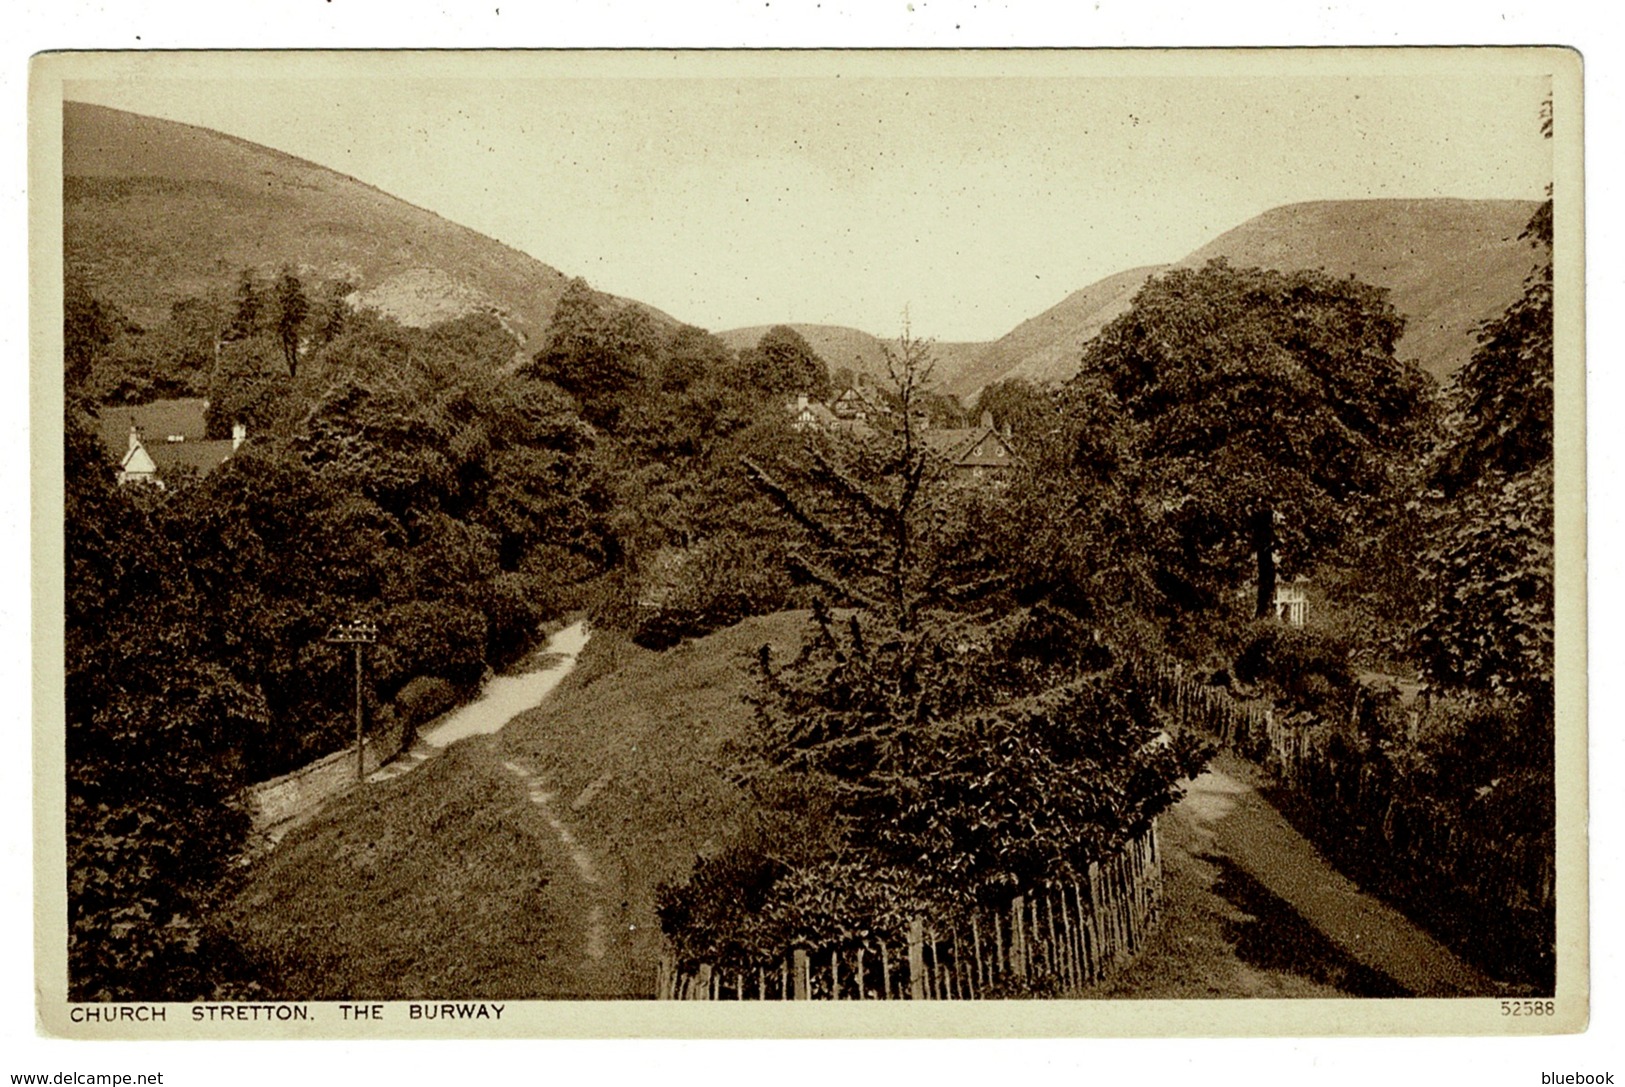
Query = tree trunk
x=1264 y=544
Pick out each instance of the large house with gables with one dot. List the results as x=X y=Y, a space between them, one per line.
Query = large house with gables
x=978 y=452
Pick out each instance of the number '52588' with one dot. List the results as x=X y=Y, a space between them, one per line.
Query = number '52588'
x=1528 y=1007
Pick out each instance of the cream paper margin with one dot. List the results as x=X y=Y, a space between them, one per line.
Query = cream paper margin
x=893 y=1019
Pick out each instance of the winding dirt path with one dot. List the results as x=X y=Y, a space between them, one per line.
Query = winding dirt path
x=500 y=701
x=1251 y=909
x=1233 y=821
x=503 y=699
x=586 y=869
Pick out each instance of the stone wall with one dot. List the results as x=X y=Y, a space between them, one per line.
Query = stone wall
x=277 y=804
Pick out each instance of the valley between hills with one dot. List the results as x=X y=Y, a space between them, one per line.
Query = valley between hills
x=1193 y=638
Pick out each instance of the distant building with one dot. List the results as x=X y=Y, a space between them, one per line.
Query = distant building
x=978 y=452
x=859 y=405
x=973 y=453
x=809 y=414
x=1291 y=603
x=165 y=437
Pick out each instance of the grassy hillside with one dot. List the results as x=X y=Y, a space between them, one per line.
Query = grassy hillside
x=1450 y=264
x=1047 y=347
x=154 y=211
x=449 y=882
x=859 y=351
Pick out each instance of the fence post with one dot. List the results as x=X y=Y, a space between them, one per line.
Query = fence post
x=1056 y=960
x=1018 y=937
x=916 y=960
x=1000 y=961
x=1069 y=958
x=1081 y=941
x=663 y=977
x=799 y=974
x=976 y=946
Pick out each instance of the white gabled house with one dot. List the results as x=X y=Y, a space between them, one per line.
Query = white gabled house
x=165 y=437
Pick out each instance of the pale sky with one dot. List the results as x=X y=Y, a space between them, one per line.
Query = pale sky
x=843 y=194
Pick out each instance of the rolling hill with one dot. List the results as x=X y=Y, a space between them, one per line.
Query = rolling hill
x=859 y=351
x=1449 y=265
x=1049 y=344
x=155 y=210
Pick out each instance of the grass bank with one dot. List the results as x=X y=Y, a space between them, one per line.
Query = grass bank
x=452 y=881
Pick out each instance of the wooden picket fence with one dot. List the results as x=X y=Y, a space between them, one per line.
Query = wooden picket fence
x=1246 y=728
x=1058 y=937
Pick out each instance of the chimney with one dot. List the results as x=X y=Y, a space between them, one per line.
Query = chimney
x=987 y=419
x=801 y=401
x=239 y=434
x=135 y=436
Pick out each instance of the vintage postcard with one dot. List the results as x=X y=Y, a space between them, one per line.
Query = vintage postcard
x=809 y=543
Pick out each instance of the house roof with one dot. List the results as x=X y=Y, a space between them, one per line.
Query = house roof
x=971 y=447
x=854 y=400
x=948 y=441
x=814 y=412
x=156 y=422
x=137 y=462
x=202 y=457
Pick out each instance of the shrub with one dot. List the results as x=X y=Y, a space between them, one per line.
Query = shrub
x=712 y=585
x=431 y=637
x=1309 y=667
x=927 y=772
x=423 y=699
x=514 y=605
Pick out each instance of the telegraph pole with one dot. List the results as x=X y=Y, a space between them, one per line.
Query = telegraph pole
x=356 y=632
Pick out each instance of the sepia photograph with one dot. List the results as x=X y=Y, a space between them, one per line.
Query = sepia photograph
x=549 y=542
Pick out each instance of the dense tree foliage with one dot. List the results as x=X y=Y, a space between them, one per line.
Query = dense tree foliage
x=1018 y=404
x=939 y=747
x=292 y=307
x=153 y=762
x=1487 y=572
x=416 y=477
x=1265 y=410
x=1021 y=752
x=396 y=474
x=783 y=362
x=962 y=720
x=597 y=349
x=88 y=326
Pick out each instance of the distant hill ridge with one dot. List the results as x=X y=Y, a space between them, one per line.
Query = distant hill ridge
x=156 y=210
x=1448 y=265
x=1047 y=347
x=861 y=352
